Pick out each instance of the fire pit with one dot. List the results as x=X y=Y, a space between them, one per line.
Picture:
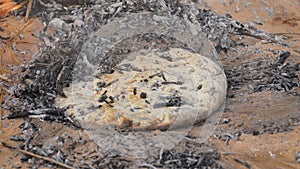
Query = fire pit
x=145 y=72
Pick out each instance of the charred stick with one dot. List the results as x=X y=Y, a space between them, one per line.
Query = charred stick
x=74 y=122
x=146 y=166
x=172 y=161
x=159 y=105
x=16 y=138
x=40 y=111
x=168 y=104
x=170 y=97
x=18 y=115
x=200 y=160
x=147 y=101
x=152 y=76
x=1 y=100
x=243 y=162
x=59 y=81
x=163 y=76
x=177 y=83
x=112 y=82
x=166 y=83
x=283 y=57
x=102 y=98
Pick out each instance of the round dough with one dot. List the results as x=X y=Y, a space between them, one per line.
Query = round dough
x=151 y=90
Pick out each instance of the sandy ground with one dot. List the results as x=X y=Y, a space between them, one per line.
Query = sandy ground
x=266 y=150
x=262 y=151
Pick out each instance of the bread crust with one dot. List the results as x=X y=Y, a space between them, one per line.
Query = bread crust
x=156 y=90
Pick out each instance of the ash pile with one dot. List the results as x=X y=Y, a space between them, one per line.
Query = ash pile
x=50 y=70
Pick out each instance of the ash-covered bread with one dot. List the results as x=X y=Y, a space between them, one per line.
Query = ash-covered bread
x=153 y=90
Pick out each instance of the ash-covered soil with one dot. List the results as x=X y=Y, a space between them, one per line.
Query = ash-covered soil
x=260 y=56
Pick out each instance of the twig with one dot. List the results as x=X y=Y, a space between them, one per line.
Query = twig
x=244 y=163
x=1 y=55
x=171 y=161
x=45 y=158
x=38 y=156
x=286 y=33
x=12 y=39
x=228 y=153
x=161 y=153
x=26 y=42
x=227 y=141
x=10 y=7
x=1 y=99
x=112 y=82
x=147 y=166
x=5 y=78
x=18 y=115
x=163 y=4
x=28 y=10
x=12 y=55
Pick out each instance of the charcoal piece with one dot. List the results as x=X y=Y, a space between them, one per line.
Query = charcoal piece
x=155 y=86
x=166 y=83
x=101 y=84
x=111 y=99
x=143 y=95
x=102 y=98
x=199 y=87
x=283 y=57
x=16 y=138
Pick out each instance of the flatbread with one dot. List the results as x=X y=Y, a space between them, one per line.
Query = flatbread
x=151 y=90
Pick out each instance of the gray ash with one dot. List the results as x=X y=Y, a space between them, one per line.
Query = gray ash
x=281 y=76
x=190 y=159
x=269 y=75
